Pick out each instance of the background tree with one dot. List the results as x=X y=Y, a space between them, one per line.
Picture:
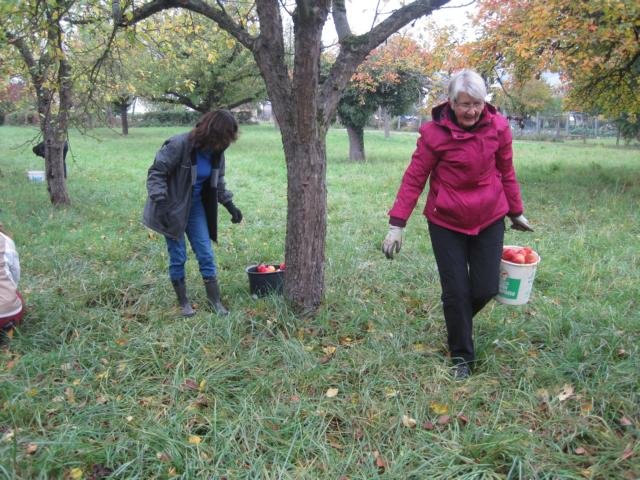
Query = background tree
x=303 y=106
x=392 y=77
x=594 y=45
x=521 y=99
x=37 y=31
x=188 y=61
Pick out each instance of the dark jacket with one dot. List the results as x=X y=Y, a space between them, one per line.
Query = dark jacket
x=170 y=180
x=472 y=182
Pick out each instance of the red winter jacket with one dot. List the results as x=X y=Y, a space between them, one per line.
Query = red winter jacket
x=472 y=182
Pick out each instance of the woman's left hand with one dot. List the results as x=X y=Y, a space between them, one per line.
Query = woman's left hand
x=521 y=223
x=236 y=214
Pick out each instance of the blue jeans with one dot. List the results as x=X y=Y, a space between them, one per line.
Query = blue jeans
x=197 y=232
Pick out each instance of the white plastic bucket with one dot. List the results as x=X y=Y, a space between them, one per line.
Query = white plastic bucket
x=36 y=176
x=516 y=280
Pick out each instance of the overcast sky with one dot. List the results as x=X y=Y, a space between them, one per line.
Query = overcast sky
x=361 y=14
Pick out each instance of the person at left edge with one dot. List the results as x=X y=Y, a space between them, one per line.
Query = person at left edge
x=11 y=302
x=185 y=183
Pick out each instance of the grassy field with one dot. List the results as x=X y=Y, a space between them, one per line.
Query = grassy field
x=106 y=380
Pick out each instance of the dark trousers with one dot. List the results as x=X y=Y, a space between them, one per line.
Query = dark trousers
x=469 y=268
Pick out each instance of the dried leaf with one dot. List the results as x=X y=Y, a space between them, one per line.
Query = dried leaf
x=329 y=350
x=438 y=408
x=332 y=392
x=189 y=384
x=70 y=395
x=444 y=419
x=586 y=408
x=580 y=451
x=625 y=422
x=122 y=341
x=628 y=453
x=408 y=422
x=11 y=363
x=31 y=448
x=390 y=392
x=195 y=439
x=163 y=457
x=74 y=474
x=566 y=392
x=379 y=461
x=201 y=401
x=428 y=425
x=202 y=385
x=462 y=418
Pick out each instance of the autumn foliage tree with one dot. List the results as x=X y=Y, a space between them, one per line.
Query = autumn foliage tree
x=594 y=45
x=392 y=77
x=37 y=33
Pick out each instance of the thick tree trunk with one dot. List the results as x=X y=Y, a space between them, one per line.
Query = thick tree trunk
x=306 y=222
x=356 y=143
x=387 y=122
x=124 y=118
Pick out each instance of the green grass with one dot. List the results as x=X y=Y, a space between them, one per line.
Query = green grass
x=96 y=379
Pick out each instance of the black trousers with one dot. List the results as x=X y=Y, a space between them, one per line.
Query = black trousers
x=469 y=268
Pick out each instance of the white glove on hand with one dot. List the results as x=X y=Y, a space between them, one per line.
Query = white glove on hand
x=393 y=241
x=520 y=223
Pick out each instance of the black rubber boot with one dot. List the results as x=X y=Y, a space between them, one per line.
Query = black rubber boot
x=181 y=292
x=213 y=294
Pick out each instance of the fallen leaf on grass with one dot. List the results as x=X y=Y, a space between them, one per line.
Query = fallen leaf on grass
x=462 y=418
x=428 y=425
x=70 y=395
x=566 y=392
x=331 y=392
x=390 y=392
x=444 y=419
x=74 y=474
x=379 y=461
x=31 y=448
x=586 y=408
x=122 y=341
x=7 y=436
x=329 y=350
x=163 y=457
x=189 y=384
x=628 y=453
x=408 y=422
x=201 y=401
x=195 y=439
x=580 y=451
x=11 y=363
x=438 y=408
x=625 y=422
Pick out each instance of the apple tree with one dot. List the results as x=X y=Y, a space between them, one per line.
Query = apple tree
x=303 y=105
x=392 y=77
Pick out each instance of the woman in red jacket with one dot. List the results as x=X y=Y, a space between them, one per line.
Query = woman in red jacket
x=465 y=152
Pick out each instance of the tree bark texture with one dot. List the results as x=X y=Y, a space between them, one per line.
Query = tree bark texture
x=124 y=118
x=356 y=143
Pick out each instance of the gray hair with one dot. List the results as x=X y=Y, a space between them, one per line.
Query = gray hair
x=469 y=82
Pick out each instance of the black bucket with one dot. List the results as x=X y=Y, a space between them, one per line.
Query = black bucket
x=261 y=284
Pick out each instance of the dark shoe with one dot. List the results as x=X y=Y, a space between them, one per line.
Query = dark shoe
x=181 y=292
x=461 y=371
x=213 y=295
